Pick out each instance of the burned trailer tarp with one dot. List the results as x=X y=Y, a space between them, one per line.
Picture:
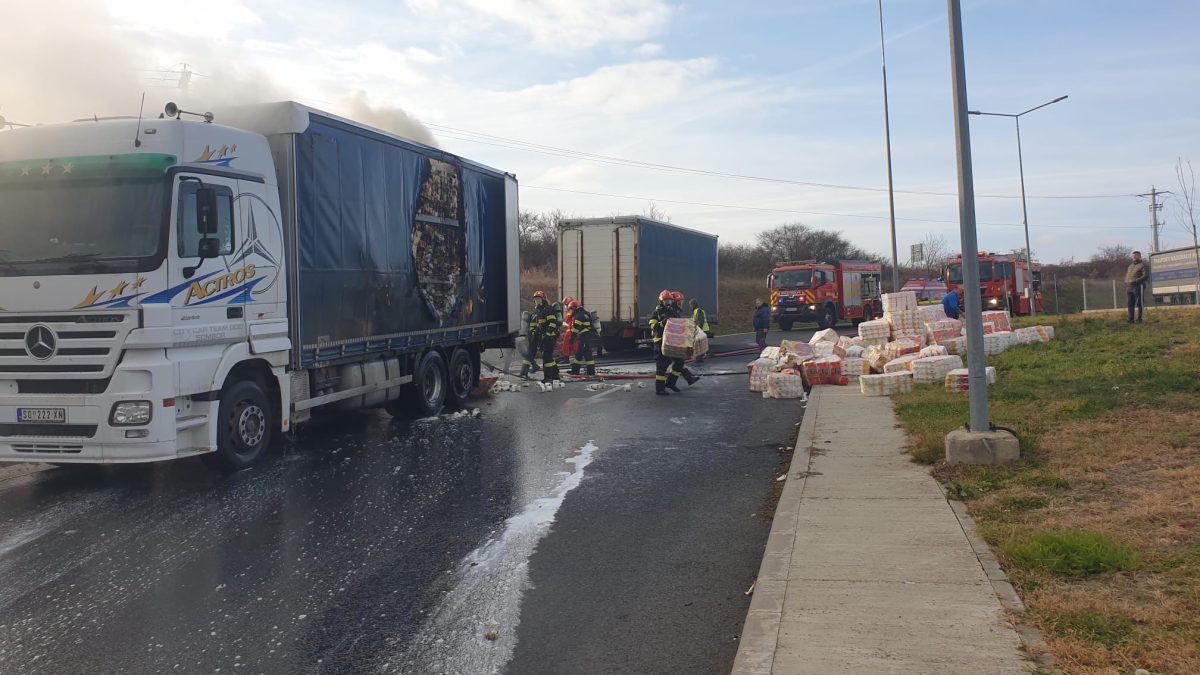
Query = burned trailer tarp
x=397 y=245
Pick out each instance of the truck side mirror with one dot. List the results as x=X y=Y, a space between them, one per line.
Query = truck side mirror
x=206 y=211
x=208 y=247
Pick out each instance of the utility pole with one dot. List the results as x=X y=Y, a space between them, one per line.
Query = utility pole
x=1155 y=207
x=887 y=138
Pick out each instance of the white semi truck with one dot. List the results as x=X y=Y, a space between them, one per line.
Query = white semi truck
x=188 y=286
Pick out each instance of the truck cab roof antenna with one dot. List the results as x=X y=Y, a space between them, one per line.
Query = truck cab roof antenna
x=137 y=140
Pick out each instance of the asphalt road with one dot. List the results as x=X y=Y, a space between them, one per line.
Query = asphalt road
x=565 y=532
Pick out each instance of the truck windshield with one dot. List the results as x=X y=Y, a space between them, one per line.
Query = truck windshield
x=954 y=272
x=791 y=280
x=54 y=220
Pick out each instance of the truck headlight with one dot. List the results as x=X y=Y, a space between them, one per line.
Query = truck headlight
x=813 y=307
x=994 y=301
x=774 y=308
x=130 y=413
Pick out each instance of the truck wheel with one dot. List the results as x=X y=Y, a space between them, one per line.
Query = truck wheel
x=785 y=325
x=828 y=317
x=243 y=427
x=462 y=377
x=427 y=393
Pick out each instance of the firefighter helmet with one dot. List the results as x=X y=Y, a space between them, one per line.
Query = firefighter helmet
x=566 y=302
x=677 y=296
x=573 y=304
x=665 y=295
x=539 y=294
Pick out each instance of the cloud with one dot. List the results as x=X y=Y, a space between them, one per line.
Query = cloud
x=647 y=49
x=554 y=26
x=627 y=88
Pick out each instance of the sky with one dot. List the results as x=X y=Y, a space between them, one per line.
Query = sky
x=770 y=112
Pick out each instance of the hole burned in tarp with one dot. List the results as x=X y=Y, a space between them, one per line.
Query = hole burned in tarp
x=439 y=242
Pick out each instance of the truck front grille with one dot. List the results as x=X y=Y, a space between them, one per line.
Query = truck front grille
x=85 y=346
x=48 y=430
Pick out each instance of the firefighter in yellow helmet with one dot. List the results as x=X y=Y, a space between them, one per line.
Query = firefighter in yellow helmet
x=544 y=334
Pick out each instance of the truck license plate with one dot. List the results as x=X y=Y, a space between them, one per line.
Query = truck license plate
x=42 y=415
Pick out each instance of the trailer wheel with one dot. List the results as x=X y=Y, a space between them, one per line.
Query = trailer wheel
x=427 y=393
x=243 y=427
x=462 y=376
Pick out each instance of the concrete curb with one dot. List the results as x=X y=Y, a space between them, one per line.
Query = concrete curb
x=760 y=634
x=1031 y=637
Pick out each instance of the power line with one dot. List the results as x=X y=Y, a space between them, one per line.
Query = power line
x=538 y=148
x=810 y=213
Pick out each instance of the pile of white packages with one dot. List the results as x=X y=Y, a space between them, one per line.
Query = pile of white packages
x=886 y=384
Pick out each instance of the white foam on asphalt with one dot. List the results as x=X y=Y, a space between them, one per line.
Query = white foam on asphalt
x=486 y=601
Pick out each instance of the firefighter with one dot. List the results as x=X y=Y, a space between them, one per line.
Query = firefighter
x=546 y=325
x=658 y=322
x=678 y=367
x=581 y=331
x=532 y=344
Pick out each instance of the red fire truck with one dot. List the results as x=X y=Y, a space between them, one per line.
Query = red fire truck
x=807 y=290
x=1005 y=282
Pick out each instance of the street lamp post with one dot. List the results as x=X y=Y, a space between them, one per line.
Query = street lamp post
x=1024 y=209
x=887 y=139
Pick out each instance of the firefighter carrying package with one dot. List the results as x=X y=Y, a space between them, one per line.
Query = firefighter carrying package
x=679 y=338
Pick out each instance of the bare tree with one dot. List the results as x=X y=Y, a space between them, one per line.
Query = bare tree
x=801 y=242
x=936 y=254
x=1186 y=205
x=654 y=212
x=538 y=238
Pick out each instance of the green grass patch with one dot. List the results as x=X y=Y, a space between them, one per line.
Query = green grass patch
x=1102 y=629
x=1070 y=553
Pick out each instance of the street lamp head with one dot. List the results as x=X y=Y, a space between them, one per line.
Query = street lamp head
x=1060 y=98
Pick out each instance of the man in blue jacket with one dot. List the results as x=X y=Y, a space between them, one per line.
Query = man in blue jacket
x=762 y=321
x=951 y=305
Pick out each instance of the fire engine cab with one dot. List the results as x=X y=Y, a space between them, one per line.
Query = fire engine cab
x=1005 y=282
x=825 y=292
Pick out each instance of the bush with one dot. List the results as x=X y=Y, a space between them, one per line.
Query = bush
x=1070 y=553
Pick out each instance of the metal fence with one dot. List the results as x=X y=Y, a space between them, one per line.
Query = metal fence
x=1070 y=295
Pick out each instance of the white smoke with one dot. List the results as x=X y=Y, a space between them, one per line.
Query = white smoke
x=68 y=59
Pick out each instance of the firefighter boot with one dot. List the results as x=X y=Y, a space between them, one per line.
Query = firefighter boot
x=691 y=377
x=660 y=385
x=525 y=369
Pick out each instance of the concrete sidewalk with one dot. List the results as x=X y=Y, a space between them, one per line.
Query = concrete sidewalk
x=867 y=568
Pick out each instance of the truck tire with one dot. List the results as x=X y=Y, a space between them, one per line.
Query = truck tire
x=462 y=377
x=785 y=324
x=243 y=427
x=427 y=393
x=829 y=317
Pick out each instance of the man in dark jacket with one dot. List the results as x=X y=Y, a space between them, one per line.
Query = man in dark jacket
x=762 y=321
x=1135 y=284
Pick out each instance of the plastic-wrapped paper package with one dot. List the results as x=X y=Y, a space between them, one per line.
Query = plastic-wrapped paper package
x=770 y=353
x=900 y=364
x=679 y=337
x=904 y=300
x=842 y=347
x=918 y=338
x=785 y=384
x=827 y=335
x=876 y=342
x=854 y=367
x=801 y=349
x=823 y=370
x=875 y=358
x=898 y=348
x=933 y=350
x=857 y=341
x=933 y=369
x=823 y=349
x=959 y=378
x=1045 y=333
x=760 y=370
x=932 y=313
x=943 y=330
x=999 y=320
x=956 y=345
x=699 y=344
x=886 y=384
x=905 y=322
x=875 y=330
x=855 y=351
x=1026 y=336
x=997 y=343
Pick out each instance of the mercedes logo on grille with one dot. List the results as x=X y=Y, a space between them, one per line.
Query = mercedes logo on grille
x=41 y=343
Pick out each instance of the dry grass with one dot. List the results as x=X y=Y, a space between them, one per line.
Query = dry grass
x=538 y=279
x=1109 y=417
